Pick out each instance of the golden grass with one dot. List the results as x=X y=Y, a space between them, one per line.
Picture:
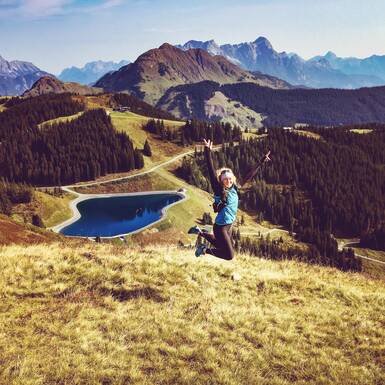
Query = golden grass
x=61 y=119
x=2 y=107
x=132 y=125
x=309 y=134
x=104 y=314
x=361 y=130
x=252 y=135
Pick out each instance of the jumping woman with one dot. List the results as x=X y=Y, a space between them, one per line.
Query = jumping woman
x=226 y=198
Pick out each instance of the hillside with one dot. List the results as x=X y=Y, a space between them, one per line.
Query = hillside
x=159 y=69
x=48 y=84
x=276 y=106
x=115 y=314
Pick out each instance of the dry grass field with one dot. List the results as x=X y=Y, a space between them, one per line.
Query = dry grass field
x=86 y=313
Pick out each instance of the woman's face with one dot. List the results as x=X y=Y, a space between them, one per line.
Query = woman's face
x=227 y=181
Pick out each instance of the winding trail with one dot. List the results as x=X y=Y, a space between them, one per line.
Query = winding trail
x=68 y=187
x=355 y=241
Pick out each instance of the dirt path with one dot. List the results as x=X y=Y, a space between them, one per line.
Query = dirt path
x=355 y=241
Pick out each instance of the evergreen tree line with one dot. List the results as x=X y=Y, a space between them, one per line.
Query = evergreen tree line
x=13 y=193
x=64 y=152
x=345 y=187
x=194 y=131
x=374 y=239
x=139 y=106
x=371 y=145
x=157 y=127
x=22 y=116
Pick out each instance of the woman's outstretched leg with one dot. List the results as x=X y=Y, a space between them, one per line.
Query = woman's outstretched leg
x=209 y=237
x=223 y=243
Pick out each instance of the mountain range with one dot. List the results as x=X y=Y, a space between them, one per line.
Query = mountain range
x=156 y=70
x=17 y=76
x=327 y=71
x=90 y=72
x=373 y=65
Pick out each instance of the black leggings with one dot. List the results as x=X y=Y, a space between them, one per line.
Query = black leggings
x=221 y=240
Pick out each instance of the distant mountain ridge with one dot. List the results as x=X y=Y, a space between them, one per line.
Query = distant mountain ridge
x=158 y=69
x=373 y=65
x=50 y=84
x=90 y=72
x=17 y=76
x=317 y=72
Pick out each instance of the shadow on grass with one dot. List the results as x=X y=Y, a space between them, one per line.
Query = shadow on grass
x=123 y=295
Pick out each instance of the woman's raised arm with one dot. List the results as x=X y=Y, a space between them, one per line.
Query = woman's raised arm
x=253 y=171
x=210 y=166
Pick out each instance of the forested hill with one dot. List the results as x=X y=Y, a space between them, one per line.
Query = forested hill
x=63 y=152
x=282 y=107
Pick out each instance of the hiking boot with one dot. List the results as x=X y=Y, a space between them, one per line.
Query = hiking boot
x=195 y=230
x=201 y=249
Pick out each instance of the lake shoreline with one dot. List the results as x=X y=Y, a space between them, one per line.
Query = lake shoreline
x=83 y=197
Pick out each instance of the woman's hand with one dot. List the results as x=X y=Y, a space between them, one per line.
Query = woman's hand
x=208 y=143
x=266 y=157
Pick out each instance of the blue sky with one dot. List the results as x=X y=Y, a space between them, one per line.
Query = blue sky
x=54 y=34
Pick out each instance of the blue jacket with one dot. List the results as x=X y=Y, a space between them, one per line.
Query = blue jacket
x=228 y=213
x=230 y=197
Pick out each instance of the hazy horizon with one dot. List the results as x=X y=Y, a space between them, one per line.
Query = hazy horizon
x=75 y=32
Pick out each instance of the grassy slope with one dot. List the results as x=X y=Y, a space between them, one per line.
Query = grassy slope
x=52 y=210
x=232 y=112
x=375 y=270
x=2 y=108
x=61 y=119
x=96 y=314
x=361 y=130
x=131 y=124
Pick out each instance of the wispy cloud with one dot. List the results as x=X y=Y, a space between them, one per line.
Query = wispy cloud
x=36 y=9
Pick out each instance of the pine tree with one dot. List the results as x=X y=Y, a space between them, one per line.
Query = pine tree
x=147 y=149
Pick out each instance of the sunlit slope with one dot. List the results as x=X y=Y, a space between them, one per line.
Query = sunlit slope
x=90 y=313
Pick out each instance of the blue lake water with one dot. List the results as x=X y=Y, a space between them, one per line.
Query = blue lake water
x=111 y=216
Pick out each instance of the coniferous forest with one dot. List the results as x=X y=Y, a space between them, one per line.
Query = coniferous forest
x=64 y=152
x=194 y=131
